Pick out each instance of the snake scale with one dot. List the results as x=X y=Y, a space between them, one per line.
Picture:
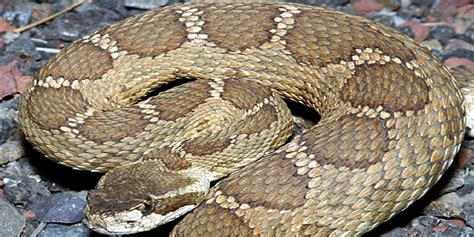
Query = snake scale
x=392 y=118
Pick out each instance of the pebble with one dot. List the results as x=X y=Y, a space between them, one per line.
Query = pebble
x=20 y=187
x=397 y=232
x=469 y=35
x=19 y=15
x=455 y=44
x=55 y=230
x=363 y=7
x=11 y=221
x=457 y=62
x=442 y=32
x=145 y=4
x=432 y=44
x=60 y=208
x=422 y=2
x=329 y=3
x=11 y=151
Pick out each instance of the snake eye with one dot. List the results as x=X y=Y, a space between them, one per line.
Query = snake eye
x=147 y=207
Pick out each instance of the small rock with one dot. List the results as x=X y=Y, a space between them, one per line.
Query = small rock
x=469 y=213
x=56 y=230
x=397 y=232
x=456 y=181
x=442 y=32
x=5 y=26
x=469 y=35
x=384 y=19
x=424 y=224
x=10 y=151
x=458 y=62
x=11 y=221
x=23 y=46
x=432 y=44
x=329 y=3
x=423 y=2
x=114 y=5
x=398 y=21
x=21 y=189
x=20 y=15
x=442 y=209
x=60 y=208
x=8 y=122
x=466 y=12
x=363 y=7
x=463 y=53
x=468 y=187
x=9 y=37
x=455 y=44
x=145 y=4
x=406 y=30
x=420 y=31
x=411 y=12
x=392 y=5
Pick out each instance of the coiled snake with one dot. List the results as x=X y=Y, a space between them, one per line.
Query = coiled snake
x=392 y=118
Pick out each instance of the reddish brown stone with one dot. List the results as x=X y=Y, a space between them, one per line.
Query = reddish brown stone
x=363 y=7
x=420 y=31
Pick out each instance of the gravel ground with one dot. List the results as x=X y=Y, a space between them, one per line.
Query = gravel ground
x=41 y=198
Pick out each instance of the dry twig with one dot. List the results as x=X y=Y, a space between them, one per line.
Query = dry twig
x=69 y=8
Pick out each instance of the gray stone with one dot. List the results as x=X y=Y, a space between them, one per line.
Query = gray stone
x=432 y=44
x=462 y=53
x=468 y=209
x=8 y=122
x=329 y=3
x=11 y=222
x=11 y=150
x=19 y=15
x=442 y=32
x=21 y=189
x=469 y=35
x=60 y=208
x=56 y=230
x=456 y=181
x=423 y=2
x=397 y=232
x=145 y=4
x=23 y=46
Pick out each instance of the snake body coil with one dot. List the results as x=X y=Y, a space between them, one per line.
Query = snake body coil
x=392 y=118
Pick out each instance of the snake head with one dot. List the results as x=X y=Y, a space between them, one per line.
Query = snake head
x=139 y=197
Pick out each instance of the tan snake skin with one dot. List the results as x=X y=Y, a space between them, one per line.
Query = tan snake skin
x=392 y=118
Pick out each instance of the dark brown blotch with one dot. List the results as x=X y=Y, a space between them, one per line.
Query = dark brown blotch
x=239 y=26
x=180 y=101
x=74 y=63
x=260 y=121
x=170 y=159
x=203 y=145
x=212 y=220
x=50 y=107
x=266 y=182
x=321 y=37
x=149 y=34
x=113 y=125
x=349 y=141
x=391 y=86
x=243 y=94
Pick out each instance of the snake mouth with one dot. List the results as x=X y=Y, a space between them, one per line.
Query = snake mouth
x=129 y=222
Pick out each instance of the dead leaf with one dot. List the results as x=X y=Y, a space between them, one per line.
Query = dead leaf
x=5 y=26
x=12 y=81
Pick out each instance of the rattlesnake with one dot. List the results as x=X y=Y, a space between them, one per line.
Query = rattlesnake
x=392 y=118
